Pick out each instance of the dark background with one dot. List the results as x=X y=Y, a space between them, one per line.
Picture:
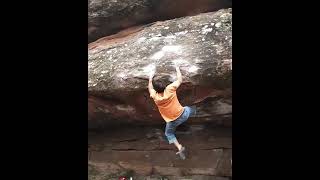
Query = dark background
x=44 y=83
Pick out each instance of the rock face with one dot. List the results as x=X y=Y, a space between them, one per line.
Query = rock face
x=119 y=69
x=106 y=17
x=116 y=151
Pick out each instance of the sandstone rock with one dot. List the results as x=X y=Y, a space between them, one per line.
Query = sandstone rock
x=116 y=156
x=106 y=17
x=200 y=177
x=167 y=171
x=225 y=165
x=193 y=177
x=207 y=163
x=142 y=144
x=203 y=177
x=118 y=70
x=138 y=167
x=106 y=168
x=199 y=171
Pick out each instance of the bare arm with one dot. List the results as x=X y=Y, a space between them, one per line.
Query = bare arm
x=179 y=76
x=150 y=86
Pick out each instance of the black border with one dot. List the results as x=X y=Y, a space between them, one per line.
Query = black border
x=45 y=90
x=44 y=80
x=273 y=90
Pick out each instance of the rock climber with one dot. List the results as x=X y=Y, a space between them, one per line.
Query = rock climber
x=163 y=92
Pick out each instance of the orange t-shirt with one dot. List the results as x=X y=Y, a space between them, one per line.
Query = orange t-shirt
x=167 y=102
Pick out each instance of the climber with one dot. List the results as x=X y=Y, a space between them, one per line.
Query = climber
x=165 y=97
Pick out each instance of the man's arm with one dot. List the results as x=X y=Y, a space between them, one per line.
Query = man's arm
x=179 y=76
x=174 y=86
x=150 y=86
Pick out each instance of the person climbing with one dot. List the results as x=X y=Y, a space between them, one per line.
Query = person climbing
x=163 y=92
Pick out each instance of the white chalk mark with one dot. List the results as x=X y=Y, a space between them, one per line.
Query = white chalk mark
x=155 y=38
x=174 y=49
x=158 y=55
x=151 y=68
x=125 y=108
x=193 y=69
x=166 y=49
x=121 y=75
x=180 y=62
x=181 y=33
x=170 y=37
x=206 y=30
x=141 y=39
x=218 y=24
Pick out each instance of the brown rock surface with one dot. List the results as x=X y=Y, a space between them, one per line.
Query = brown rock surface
x=106 y=17
x=202 y=46
x=213 y=160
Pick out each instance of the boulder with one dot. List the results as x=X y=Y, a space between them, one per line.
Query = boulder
x=106 y=17
x=118 y=70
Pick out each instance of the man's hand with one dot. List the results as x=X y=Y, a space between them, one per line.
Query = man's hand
x=177 y=68
x=175 y=64
x=152 y=70
x=151 y=75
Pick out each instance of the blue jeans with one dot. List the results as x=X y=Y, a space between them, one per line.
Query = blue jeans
x=172 y=125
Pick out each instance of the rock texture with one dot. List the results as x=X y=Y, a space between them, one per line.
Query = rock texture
x=106 y=17
x=128 y=151
x=119 y=69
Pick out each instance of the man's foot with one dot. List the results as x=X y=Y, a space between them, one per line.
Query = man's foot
x=181 y=153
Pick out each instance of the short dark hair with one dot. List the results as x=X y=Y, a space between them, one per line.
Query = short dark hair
x=160 y=82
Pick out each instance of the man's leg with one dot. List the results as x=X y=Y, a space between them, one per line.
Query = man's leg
x=169 y=132
x=189 y=111
x=178 y=145
x=170 y=128
x=193 y=111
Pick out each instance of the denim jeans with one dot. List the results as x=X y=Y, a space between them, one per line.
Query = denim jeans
x=171 y=126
